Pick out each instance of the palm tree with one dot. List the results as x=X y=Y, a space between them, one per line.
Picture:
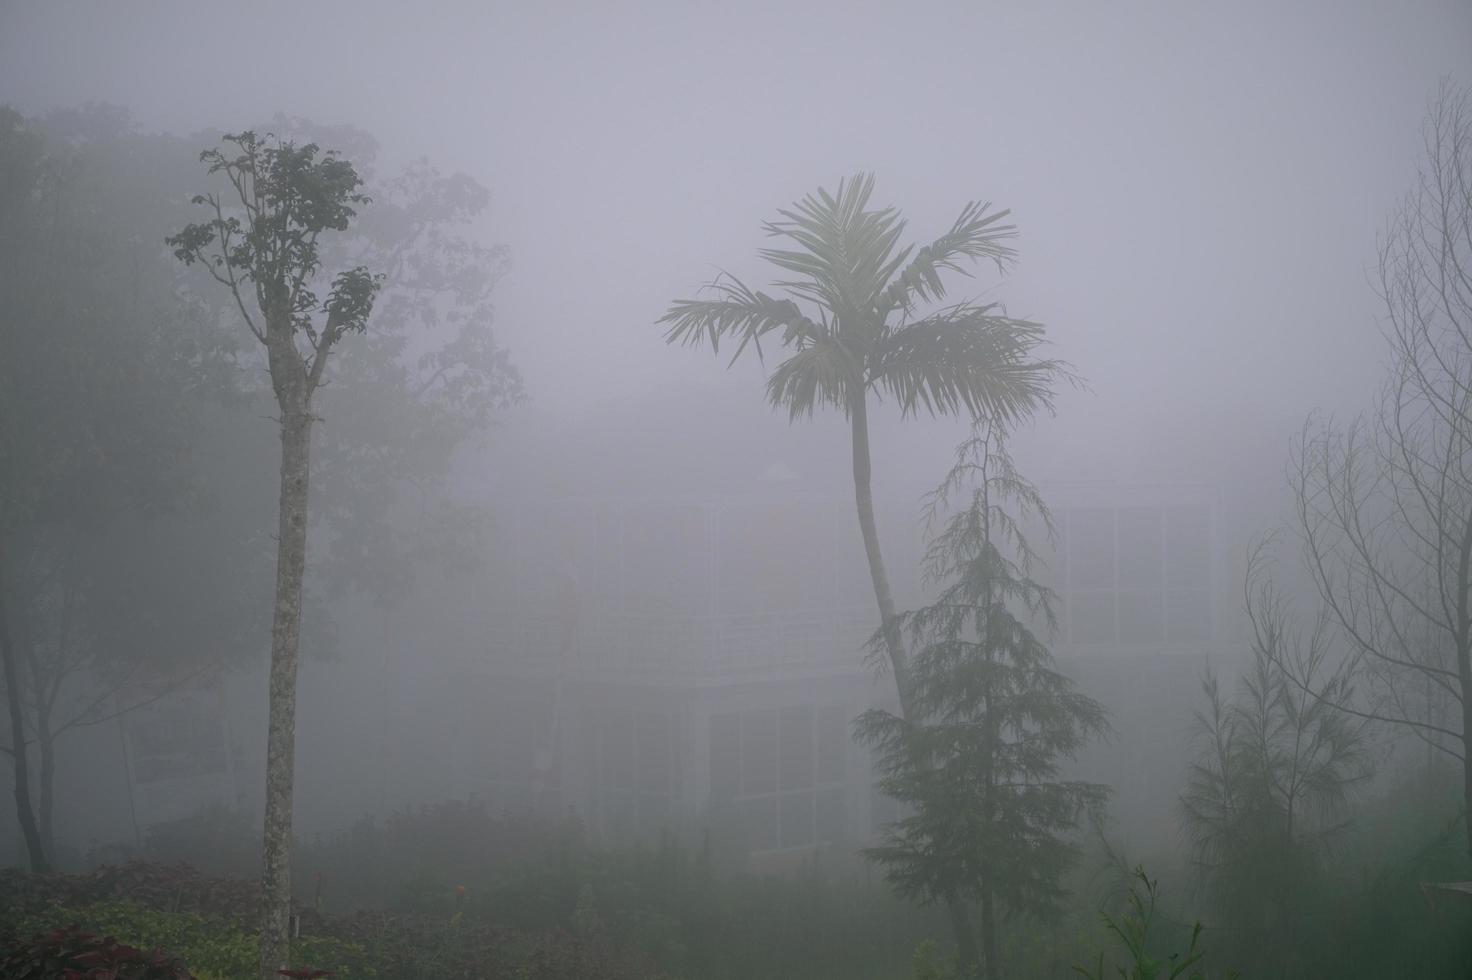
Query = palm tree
x=864 y=331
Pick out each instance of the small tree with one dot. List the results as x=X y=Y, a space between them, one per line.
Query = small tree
x=1269 y=788
x=977 y=756
x=261 y=243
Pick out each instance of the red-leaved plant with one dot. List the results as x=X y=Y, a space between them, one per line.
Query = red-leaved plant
x=71 y=954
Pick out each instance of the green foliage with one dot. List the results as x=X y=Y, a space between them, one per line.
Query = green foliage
x=862 y=330
x=1381 y=919
x=112 y=391
x=662 y=904
x=413 y=860
x=927 y=963
x=286 y=196
x=425 y=381
x=1268 y=791
x=1132 y=932
x=989 y=718
x=212 y=947
x=71 y=954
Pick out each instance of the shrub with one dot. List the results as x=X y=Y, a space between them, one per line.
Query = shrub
x=71 y=954
x=213 y=948
x=173 y=888
x=1133 y=932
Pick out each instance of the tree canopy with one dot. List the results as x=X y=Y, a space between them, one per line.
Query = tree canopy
x=855 y=318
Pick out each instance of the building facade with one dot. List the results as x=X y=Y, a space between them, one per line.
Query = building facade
x=678 y=665
x=695 y=666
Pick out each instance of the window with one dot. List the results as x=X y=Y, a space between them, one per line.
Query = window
x=1091 y=550
x=832 y=743
x=508 y=728
x=1135 y=575
x=1141 y=618
x=783 y=770
x=1091 y=617
x=663 y=553
x=1187 y=531
x=725 y=758
x=795 y=747
x=1140 y=535
x=774 y=558
x=635 y=769
x=830 y=813
x=758 y=752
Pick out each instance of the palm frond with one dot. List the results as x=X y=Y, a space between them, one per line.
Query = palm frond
x=847 y=251
x=824 y=372
x=845 y=258
x=970 y=357
x=739 y=312
x=976 y=234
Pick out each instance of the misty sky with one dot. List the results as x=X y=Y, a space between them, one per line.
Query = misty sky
x=1199 y=186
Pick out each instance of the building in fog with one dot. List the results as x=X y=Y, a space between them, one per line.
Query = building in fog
x=683 y=664
x=695 y=665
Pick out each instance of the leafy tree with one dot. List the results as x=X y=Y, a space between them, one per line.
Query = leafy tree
x=854 y=325
x=425 y=380
x=1269 y=789
x=1384 y=504
x=21 y=167
x=261 y=243
x=977 y=755
x=108 y=381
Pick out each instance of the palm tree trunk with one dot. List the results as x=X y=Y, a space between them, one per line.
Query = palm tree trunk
x=291 y=550
x=864 y=499
x=16 y=705
x=894 y=643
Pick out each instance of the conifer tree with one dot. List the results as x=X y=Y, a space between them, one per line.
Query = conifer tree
x=976 y=762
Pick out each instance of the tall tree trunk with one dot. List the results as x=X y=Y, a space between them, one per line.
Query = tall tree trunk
x=1465 y=670
x=991 y=967
x=967 y=956
x=47 y=743
x=291 y=551
x=864 y=499
x=894 y=643
x=1463 y=640
x=16 y=705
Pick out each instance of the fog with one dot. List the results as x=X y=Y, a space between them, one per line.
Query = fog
x=633 y=545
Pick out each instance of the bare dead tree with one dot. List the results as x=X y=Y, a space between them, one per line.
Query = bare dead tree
x=1384 y=503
